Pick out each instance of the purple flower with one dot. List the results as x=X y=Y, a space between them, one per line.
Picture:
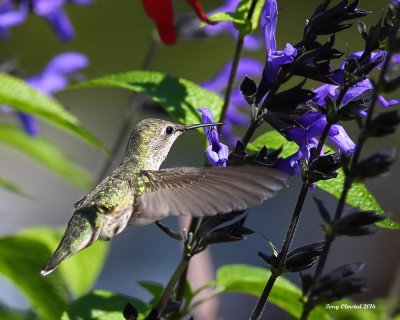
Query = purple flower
x=52 y=78
x=51 y=10
x=247 y=66
x=312 y=125
x=11 y=15
x=358 y=90
x=275 y=58
x=292 y=164
x=251 y=42
x=217 y=153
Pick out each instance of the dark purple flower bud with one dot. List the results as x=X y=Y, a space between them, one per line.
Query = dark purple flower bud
x=383 y=124
x=357 y=223
x=376 y=165
x=304 y=257
x=217 y=153
x=208 y=231
x=130 y=312
x=339 y=283
x=323 y=167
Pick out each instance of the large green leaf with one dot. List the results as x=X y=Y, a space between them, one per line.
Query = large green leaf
x=8 y=314
x=18 y=95
x=358 y=196
x=179 y=97
x=11 y=187
x=47 y=153
x=21 y=259
x=251 y=280
x=102 y=305
x=80 y=271
x=239 y=17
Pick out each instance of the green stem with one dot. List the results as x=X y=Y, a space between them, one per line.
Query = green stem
x=181 y=268
x=257 y=312
x=235 y=64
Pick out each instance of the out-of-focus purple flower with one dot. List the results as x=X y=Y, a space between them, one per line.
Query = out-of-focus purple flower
x=217 y=84
x=247 y=66
x=11 y=15
x=251 y=42
x=51 y=10
x=54 y=77
x=217 y=153
x=275 y=58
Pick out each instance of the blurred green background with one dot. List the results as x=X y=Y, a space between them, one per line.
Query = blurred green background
x=116 y=35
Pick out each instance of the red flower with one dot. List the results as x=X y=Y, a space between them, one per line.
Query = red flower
x=161 y=11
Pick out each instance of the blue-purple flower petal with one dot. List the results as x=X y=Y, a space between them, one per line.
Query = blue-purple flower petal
x=217 y=153
x=54 y=76
x=29 y=124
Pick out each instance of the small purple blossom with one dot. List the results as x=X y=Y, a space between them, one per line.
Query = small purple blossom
x=217 y=153
x=51 y=10
x=275 y=58
x=251 y=42
x=312 y=125
x=11 y=15
x=292 y=164
x=358 y=90
x=51 y=79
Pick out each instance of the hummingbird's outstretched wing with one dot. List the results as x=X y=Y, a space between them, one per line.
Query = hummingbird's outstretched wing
x=201 y=192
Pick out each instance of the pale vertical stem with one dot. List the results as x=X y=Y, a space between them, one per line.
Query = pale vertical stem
x=129 y=115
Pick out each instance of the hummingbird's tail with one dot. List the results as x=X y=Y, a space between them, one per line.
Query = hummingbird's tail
x=80 y=234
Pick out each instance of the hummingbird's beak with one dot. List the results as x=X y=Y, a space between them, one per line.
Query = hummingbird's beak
x=195 y=126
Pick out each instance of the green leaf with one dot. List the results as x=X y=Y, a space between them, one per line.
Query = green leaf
x=45 y=152
x=10 y=314
x=16 y=94
x=102 y=305
x=11 y=187
x=179 y=97
x=154 y=288
x=251 y=280
x=239 y=17
x=358 y=196
x=81 y=270
x=21 y=259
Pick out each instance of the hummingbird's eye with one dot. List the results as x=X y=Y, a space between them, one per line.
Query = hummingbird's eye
x=169 y=130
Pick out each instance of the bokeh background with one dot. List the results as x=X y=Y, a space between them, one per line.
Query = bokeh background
x=116 y=36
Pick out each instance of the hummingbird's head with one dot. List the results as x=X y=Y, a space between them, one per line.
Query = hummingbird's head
x=153 y=138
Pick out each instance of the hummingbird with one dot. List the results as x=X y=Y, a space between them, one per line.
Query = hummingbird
x=138 y=192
